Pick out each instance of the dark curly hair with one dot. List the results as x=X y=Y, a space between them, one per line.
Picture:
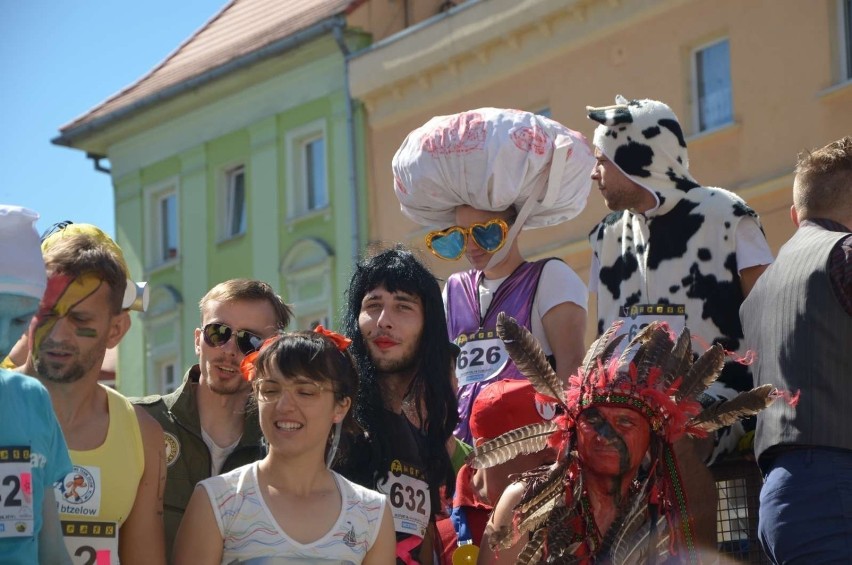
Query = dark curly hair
x=397 y=269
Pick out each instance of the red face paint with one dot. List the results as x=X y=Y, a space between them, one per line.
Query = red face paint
x=63 y=293
x=611 y=442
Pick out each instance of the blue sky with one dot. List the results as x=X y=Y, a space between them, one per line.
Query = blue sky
x=59 y=59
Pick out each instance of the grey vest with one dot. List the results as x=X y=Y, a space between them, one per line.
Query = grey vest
x=803 y=341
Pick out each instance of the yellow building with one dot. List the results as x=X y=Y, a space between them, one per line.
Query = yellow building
x=753 y=83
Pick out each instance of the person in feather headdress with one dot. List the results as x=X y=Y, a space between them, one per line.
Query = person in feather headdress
x=615 y=493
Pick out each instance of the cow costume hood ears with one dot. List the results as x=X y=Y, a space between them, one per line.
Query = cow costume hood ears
x=644 y=139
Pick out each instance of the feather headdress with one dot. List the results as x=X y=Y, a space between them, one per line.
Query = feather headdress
x=655 y=376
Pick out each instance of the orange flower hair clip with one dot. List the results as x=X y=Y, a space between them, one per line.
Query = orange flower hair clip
x=247 y=366
x=342 y=342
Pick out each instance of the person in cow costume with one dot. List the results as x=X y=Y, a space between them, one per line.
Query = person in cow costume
x=672 y=250
x=480 y=177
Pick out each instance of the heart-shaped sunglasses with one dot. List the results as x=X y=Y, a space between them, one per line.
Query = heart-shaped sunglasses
x=450 y=243
x=217 y=335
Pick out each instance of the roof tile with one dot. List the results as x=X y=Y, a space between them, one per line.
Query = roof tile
x=241 y=27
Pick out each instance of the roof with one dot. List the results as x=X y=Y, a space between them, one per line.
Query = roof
x=241 y=28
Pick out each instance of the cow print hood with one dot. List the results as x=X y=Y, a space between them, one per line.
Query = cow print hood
x=645 y=141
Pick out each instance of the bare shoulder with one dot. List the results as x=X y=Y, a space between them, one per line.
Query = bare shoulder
x=149 y=427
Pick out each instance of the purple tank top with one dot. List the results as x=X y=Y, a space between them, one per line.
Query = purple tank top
x=514 y=296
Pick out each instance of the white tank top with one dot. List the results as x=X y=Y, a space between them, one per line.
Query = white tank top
x=250 y=532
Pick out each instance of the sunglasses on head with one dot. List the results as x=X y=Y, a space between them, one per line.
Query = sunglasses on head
x=450 y=243
x=217 y=335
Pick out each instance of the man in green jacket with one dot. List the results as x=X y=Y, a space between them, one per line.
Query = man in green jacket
x=209 y=426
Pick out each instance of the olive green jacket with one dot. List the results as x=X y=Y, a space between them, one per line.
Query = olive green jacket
x=187 y=456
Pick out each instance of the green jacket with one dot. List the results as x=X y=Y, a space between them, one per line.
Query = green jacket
x=187 y=456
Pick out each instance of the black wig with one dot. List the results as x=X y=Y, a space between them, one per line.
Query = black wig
x=397 y=269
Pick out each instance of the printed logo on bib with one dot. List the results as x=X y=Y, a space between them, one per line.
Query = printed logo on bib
x=172 y=448
x=91 y=543
x=481 y=358
x=16 y=492
x=79 y=493
x=408 y=494
x=638 y=316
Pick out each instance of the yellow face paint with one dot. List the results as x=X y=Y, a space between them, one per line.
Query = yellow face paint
x=63 y=293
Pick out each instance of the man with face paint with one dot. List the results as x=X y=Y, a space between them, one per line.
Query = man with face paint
x=33 y=454
x=208 y=427
x=600 y=502
x=111 y=503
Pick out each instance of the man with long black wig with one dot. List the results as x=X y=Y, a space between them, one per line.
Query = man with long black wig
x=406 y=403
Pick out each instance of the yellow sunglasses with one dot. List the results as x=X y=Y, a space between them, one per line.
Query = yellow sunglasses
x=450 y=243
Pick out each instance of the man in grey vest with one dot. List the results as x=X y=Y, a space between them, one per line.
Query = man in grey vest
x=798 y=318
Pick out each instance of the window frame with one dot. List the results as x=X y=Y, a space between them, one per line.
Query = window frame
x=155 y=195
x=844 y=34
x=161 y=365
x=296 y=142
x=226 y=226
x=697 y=95
x=307 y=169
x=308 y=264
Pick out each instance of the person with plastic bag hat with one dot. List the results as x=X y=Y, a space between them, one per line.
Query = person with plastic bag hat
x=33 y=453
x=480 y=177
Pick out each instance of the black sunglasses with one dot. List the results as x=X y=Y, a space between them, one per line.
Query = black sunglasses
x=217 y=335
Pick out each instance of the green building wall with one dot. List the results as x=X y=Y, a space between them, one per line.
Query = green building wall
x=271 y=233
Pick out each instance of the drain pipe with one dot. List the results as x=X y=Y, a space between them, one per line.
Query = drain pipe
x=96 y=162
x=339 y=26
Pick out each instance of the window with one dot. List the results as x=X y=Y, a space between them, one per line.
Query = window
x=162 y=340
x=846 y=39
x=712 y=85
x=235 y=202
x=313 y=170
x=164 y=234
x=306 y=156
x=306 y=270
x=312 y=320
x=168 y=377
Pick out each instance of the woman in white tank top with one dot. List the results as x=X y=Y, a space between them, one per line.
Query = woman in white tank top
x=290 y=507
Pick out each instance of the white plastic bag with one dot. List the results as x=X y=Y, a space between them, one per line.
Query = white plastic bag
x=491 y=159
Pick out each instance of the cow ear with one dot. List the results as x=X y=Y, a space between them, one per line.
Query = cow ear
x=610 y=115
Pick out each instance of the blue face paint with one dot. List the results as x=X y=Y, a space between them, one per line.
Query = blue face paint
x=16 y=311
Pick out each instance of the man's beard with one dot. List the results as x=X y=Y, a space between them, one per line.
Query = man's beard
x=406 y=365
x=67 y=373
x=64 y=375
x=224 y=388
x=220 y=388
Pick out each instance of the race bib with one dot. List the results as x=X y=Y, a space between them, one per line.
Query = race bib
x=638 y=316
x=481 y=358
x=91 y=543
x=16 y=492
x=408 y=494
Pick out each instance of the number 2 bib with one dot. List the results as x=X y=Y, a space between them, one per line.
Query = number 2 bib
x=91 y=543
x=482 y=357
x=16 y=492
x=409 y=498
